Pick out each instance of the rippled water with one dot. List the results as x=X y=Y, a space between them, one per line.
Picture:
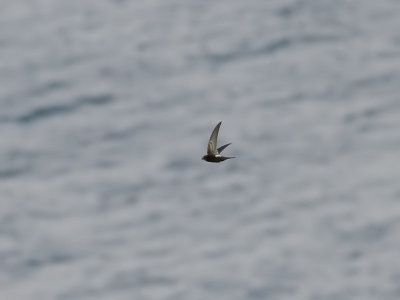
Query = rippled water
x=107 y=107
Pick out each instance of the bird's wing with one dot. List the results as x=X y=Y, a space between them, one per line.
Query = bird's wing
x=212 y=143
x=222 y=147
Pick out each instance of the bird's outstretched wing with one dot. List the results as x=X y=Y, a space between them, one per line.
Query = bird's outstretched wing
x=222 y=147
x=212 y=143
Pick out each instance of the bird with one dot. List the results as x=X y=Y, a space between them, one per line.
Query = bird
x=213 y=154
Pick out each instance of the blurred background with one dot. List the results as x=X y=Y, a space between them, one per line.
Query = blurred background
x=106 y=110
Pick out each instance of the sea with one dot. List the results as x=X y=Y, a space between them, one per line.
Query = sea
x=106 y=108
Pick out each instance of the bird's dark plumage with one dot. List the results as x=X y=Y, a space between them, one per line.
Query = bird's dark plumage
x=214 y=154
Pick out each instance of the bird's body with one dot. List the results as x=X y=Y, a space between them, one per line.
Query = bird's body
x=214 y=154
x=215 y=158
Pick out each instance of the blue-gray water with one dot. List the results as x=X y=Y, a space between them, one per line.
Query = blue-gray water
x=106 y=110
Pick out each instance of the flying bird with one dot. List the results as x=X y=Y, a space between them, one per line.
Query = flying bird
x=214 y=154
